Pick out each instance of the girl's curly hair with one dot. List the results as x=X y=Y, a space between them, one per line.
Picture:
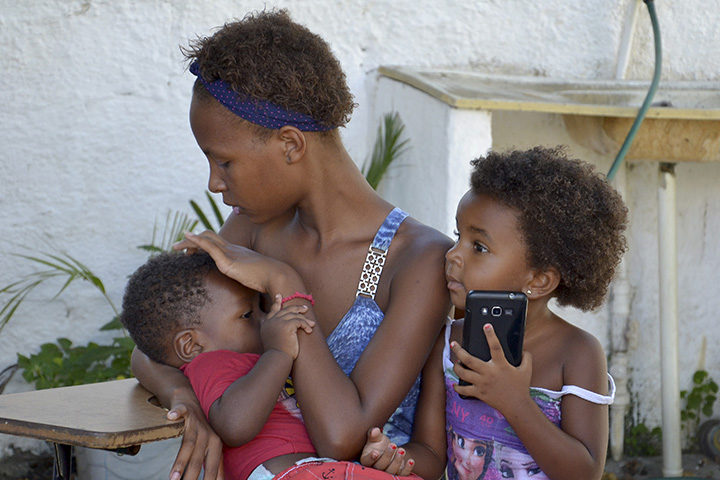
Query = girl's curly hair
x=269 y=57
x=569 y=216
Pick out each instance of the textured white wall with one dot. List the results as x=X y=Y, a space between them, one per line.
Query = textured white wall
x=95 y=143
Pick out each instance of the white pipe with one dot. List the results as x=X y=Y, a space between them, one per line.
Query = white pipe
x=620 y=288
x=619 y=325
x=668 y=301
x=627 y=40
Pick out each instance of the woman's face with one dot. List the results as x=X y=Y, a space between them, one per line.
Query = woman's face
x=244 y=167
x=470 y=457
x=490 y=253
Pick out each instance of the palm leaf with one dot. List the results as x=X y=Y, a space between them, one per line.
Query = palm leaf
x=386 y=150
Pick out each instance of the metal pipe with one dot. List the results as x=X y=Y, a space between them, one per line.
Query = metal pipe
x=619 y=321
x=668 y=302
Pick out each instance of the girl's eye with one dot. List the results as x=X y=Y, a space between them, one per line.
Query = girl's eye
x=248 y=314
x=480 y=248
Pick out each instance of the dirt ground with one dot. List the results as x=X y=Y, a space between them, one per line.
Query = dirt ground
x=25 y=466
x=650 y=468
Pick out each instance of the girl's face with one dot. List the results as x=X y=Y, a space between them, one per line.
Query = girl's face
x=470 y=457
x=244 y=167
x=490 y=253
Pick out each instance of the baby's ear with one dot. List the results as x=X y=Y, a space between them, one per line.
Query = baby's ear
x=186 y=345
x=543 y=283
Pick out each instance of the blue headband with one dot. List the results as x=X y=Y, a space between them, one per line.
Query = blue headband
x=259 y=112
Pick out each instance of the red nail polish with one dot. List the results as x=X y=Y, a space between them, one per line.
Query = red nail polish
x=393 y=447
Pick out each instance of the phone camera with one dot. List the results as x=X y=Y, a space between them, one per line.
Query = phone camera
x=496 y=311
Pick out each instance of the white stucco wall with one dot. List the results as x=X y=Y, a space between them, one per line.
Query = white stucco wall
x=95 y=143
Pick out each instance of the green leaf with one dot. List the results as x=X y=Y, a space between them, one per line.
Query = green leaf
x=201 y=215
x=218 y=216
x=699 y=377
x=386 y=149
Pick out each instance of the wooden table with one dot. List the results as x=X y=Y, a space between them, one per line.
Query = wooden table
x=117 y=415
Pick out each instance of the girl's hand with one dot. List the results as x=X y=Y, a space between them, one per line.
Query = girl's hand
x=200 y=446
x=381 y=454
x=279 y=330
x=246 y=266
x=495 y=382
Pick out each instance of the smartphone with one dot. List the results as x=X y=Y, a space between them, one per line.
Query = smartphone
x=506 y=312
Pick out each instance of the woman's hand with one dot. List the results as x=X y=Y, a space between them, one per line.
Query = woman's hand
x=495 y=382
x=381 y=454
x=254 y=270
x=200 y=445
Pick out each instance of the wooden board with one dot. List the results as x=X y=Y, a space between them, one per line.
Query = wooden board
x=106 y=415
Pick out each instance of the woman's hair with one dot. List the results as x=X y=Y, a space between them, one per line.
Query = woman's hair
x=569 y=216
x=269 y=57
x=163 y=296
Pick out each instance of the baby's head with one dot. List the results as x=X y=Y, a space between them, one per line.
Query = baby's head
x=266 y=56
x=566 y=218
x=177 y=306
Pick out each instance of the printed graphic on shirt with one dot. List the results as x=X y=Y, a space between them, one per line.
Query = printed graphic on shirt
x=481 y=443
x=288 y=401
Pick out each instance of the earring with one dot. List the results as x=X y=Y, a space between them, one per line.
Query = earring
x=529 y=291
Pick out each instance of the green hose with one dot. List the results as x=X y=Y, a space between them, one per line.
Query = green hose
x=648 y=98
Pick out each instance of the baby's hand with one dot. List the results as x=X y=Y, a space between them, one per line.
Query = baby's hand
x=495 y=382
x=279 y=330
x=381 y=454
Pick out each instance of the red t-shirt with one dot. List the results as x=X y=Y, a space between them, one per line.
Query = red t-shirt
x=210 y=374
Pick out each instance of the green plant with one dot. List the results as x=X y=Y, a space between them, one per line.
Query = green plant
x=203 y=218
x=640 y=441
x=386 y=149
x=699 y=402
x=61 y=363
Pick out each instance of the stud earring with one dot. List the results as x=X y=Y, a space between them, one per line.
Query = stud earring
x=529 y=292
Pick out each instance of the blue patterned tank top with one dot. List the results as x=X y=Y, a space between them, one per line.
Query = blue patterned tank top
x=359 y=324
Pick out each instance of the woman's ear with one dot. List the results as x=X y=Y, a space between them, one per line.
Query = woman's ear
x=543 y=283
x=186 y=345
x=293 y=143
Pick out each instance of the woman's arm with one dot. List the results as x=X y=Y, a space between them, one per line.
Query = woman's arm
x=335 y=407
x=425 y=454
x=200 y=444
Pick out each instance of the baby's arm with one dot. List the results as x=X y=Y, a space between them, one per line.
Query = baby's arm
x=581 y=442
x=425 y=454
x=245 y=406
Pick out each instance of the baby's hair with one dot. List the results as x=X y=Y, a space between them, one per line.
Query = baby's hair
x=570 y=217
x=269 y=57
x=163 y=296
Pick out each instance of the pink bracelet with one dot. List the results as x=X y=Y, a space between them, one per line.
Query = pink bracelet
x=307 y=297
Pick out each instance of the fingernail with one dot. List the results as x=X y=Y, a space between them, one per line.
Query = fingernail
x=401 y=452
x=172 y=416
x=393 y=447
x=487 y=326
x=452 y=344
x=411 y=462
x=175 y=476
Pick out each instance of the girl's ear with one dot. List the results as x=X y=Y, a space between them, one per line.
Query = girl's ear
x=293 y=143
x=186 y=344
x=543 y=283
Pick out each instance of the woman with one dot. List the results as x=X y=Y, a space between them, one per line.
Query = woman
x=266 y=108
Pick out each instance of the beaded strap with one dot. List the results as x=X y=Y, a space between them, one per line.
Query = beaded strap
x=377 y=253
